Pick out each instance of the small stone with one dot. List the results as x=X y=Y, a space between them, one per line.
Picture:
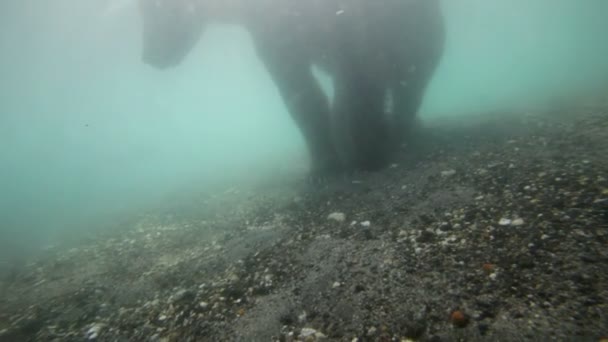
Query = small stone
x=479 y=198
x=94 y=331
x=371 y=331
x=182 y=295
x=337 y=216
x=426 y=236
x=444 y=226
x=305 y=332
x=458 y=319
x=504 y=222
x=319 y=336
x=448 y=173
x=203 y=304
x=162 y=317
x=336 y=284
x=588 y=258
x=365 y=223
x=517 y=222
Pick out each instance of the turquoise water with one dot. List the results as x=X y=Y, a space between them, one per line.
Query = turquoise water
x=87 y=131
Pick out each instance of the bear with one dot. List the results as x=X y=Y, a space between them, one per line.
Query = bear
x=380 y=55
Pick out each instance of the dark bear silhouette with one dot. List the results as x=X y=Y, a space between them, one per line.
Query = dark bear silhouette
x=376 y=51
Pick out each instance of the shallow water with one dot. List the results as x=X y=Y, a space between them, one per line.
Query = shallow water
x=202 y=166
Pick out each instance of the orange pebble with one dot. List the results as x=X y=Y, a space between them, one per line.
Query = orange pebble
x=458 y=318
x=488 y=267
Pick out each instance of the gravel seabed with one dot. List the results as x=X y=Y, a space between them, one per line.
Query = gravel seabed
x=488 y=230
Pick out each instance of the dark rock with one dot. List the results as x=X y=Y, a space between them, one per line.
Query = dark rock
x=588 y=258
x=426 y=237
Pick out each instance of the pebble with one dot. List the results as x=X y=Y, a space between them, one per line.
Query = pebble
x=517 y=222
x=504 y=222
x=448 y=173
x=365 y=223
x=307 y=332
x=94 y=331
x=337 y=216
x=203 y=304
x=336 y=284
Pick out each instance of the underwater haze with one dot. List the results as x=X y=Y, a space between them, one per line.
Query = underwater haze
x=88 y=132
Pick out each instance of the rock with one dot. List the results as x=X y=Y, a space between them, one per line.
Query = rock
x=504 y=222
x=182 y=296
x=448 y=173
x=588 y=258
x=94 y=331
x=310 y=332
x=426 y=236
x=337 y=216
x=365 y=223
x=517 y=222
x=336 y=284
